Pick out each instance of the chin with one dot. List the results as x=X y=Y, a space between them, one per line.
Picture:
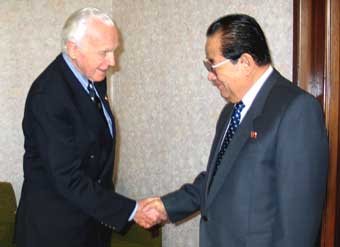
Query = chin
x=226 y=97
x=99 y=78
x=224 y=94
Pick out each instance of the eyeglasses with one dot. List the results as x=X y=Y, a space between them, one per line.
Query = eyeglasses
x=211 y=67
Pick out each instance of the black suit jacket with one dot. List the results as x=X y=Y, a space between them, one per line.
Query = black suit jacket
x=67 y=197
x=269 y=190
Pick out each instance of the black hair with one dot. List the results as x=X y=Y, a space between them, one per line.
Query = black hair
x=240 y=34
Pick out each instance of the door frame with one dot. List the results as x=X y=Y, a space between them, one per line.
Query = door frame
x=316 y=61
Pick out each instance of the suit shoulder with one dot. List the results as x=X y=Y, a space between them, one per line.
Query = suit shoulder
x=50 y=88
x=284 y=93
x=50 y=82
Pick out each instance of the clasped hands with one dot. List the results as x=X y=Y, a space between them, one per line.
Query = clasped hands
x=150 y=212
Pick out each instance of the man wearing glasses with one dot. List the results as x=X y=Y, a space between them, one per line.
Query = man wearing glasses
x=265 y=182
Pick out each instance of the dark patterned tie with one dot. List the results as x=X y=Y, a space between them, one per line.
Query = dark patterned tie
x=94 y=98
x=234 y=123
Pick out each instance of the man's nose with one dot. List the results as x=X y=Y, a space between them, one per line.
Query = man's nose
x=212 y=76
x=110 y=59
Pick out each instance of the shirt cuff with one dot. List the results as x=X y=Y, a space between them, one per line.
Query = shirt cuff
x=132 y=216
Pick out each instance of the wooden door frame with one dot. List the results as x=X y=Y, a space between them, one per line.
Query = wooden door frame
x=316 y=61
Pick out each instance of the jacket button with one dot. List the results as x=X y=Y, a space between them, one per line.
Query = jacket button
x=99 y=181
x=205 y=218
x=91 y=156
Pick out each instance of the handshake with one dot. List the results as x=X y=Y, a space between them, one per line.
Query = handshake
x=150 y=212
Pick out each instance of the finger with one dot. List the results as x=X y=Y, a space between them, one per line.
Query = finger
x=154 y=215
x=142 y=203
x=151 y=205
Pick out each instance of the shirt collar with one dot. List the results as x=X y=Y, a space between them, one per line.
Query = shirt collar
x=249 y=97
x=253 y=91
x=80 y=76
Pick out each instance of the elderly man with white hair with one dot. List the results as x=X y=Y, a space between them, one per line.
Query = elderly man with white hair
x=68 y=197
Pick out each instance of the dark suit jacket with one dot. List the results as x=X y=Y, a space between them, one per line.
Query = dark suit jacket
x=269 y=191
x=67 y=197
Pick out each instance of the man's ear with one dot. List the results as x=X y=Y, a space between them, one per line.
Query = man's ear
x=72 y=49
x=247 y=63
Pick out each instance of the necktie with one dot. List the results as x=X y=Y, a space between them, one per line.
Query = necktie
x=233 y=125
x=94 y=98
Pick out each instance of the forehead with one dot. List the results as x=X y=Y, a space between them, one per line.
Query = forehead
x=213 y=46
x=100 y=33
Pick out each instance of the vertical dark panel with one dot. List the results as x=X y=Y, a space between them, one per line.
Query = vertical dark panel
x=316 y=84
x=332 y=102
x=309 y=45
x=316 y=64
x=296 y=40
x=334 y=79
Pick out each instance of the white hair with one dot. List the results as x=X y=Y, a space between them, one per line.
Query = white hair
x=75 y=26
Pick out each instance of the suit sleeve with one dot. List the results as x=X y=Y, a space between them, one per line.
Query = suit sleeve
x=185 y=201
x=302 y=161
x=58 y=148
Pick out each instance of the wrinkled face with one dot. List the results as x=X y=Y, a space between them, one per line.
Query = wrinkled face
x=228 y=77
x=94 y=55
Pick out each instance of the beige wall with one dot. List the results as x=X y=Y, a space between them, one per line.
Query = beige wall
x=164 y=104
x=165 y=107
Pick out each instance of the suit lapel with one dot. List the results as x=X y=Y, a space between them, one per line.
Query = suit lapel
x=217 y=144
x=101 y=88
x=240 y=138
x=233 y=151
x=83 y=103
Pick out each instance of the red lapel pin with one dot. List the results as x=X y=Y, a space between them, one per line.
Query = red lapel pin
x=253 y=134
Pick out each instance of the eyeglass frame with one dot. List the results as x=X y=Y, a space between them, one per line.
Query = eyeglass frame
x=211 y=67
